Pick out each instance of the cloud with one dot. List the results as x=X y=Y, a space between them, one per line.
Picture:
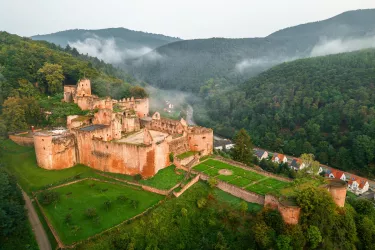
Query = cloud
x=327 y=47
x=107 y=50
x=260 y=63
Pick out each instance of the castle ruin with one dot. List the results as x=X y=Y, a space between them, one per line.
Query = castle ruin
x=119 y=136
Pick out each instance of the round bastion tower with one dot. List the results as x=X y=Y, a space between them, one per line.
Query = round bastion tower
x=43 y=149
x=337 y=188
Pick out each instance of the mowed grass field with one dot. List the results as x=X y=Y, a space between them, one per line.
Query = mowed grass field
x=76 y=198
x=248 y=180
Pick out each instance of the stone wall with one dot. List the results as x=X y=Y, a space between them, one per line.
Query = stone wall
x=179 y=145
x=236 y=191
x=289 y=213
x=22 y=140
x=187 y=186
x=55 y=152
x=337 y=188
x=122 y=158
x=201 y=140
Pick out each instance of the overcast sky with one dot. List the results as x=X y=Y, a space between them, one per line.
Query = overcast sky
x=187 y=19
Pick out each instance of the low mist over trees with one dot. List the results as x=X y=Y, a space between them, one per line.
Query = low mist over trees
x=324 y=106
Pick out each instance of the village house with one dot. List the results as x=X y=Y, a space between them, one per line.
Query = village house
x=357 y=184
x=279 y=158
x=297 y=164
x=261 y=154
x=336 y=174
x=223 y=144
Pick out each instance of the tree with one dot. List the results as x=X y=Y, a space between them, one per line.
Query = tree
x=243 y=148
x=212 y=182
x=244 y=207
x=52 y=76
x=138 y=92
x=313 y=236
x=201 y=202
x=48 y=197
x=311 y=166
x=283 y=242
x=91 y=212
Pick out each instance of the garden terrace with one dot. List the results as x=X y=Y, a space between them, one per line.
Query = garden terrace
x=89 y=207
x=245 y=179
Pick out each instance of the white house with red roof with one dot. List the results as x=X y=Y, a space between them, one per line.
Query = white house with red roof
x=358 y=184
x=337 y=174
x=279 y=158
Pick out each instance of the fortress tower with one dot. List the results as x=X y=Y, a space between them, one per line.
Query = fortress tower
x=337 y=188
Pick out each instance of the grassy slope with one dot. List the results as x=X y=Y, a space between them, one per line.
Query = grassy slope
x=83 y=196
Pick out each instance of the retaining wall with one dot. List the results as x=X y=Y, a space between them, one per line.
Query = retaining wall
x=22 y=140
x=187 y=186
x=236 y=191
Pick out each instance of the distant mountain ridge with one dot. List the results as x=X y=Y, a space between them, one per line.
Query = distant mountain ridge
x=106 y=43
x=188 y=64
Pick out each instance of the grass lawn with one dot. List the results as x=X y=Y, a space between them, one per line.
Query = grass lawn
x=234 y=201
x=227 y=178
x=212 y=172
x=165 y=179
x=240 y=182
x=267 y=185
x=76 y=198
x=185 y=155
x=201 y=167
x=241 y=177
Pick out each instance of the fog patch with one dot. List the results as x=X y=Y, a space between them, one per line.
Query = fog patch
x=107 y=50
x=259 y=63
x=327 y=47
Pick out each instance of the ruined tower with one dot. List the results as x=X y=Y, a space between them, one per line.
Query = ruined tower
x=337 y=188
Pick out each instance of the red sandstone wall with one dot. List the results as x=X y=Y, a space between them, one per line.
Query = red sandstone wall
x=187 y=186
x=179 y=145
x=120 y=157
x=130 y=124
x=338 y=195
x=63 y=152
x=201 y=142
x=22 y=140
x=290 y=214
x=43 y=150
x=103 y=116
x=69 y=92
x=84 y=88
x=271 y=201
x=141 y=107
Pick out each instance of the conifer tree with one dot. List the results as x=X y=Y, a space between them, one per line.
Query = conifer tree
x=243 y=149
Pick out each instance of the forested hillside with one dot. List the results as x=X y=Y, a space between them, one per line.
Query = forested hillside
x=186 y=65
x=32 y=70
x=130 y=43
x=323 y=105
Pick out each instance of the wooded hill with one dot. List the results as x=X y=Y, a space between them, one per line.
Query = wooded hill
x=125 y=39
x=186 y=65
x=323 y=105
x=32 y=70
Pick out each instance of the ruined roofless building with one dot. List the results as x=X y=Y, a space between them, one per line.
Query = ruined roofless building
x=119 y=137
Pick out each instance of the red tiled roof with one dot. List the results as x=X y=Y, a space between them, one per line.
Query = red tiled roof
x=280 y=156
x=337 y=173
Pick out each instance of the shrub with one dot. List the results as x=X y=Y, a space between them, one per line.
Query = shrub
x=134 y=203
x=137 y=177
x=171 y=156
x=68 y=218
x=184 y=212
x=107 y=204
x=201 y=202
x=122 y=198
x=212 y=182
x=90 y=212
x=48 y=197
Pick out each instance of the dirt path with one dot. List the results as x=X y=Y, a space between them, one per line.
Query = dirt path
x=40 y=234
